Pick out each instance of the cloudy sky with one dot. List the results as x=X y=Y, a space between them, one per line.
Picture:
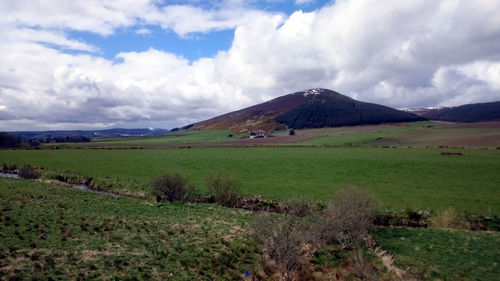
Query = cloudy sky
x=152 y=63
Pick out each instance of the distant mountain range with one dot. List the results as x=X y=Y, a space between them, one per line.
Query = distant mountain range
x=477 y=112
x=313 y=108
x=108 y=133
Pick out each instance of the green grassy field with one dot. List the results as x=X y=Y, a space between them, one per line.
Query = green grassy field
x=433 y=254
x=417 y=177
x=358 y=139
x=49 y=231
x=415 y=134
x=169 y=139
x=358 y=135
x=55 y=232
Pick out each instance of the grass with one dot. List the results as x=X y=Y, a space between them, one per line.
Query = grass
x=358 y=135
x=433 y=254
x=169 y=139
x=445 y=135
x=54 y=232
x=352 y=140
x=420 y=178
x=414 y=134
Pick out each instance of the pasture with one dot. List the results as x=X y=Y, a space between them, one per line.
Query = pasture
x=51 y=232
x=54 y=232
x=419 y=178
x=433 y=254
x=177 y=138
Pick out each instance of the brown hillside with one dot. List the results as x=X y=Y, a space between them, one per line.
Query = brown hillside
x=257 y=117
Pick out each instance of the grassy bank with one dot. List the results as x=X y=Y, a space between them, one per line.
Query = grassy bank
x=433 y=254
x=49 y=231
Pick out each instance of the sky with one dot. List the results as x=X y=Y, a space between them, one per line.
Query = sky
x=95 y=64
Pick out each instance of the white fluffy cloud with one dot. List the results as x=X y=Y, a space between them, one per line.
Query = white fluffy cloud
x=398 y=53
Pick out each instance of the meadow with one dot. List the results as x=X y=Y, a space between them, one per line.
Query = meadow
x=55 y=232
x=419 y=178
x=50 y=232
x=177 y=138
x=422 y=134
x=433 y=254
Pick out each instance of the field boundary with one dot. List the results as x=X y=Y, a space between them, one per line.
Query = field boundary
x=388 y=260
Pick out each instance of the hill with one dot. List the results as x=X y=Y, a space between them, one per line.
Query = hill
x=478 y=112
x=331 y=109
x=256 y=117
x=313 y=108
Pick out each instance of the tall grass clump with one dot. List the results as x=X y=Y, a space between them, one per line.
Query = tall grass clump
x=173 y=187
x=223 y=187
x=448 y=218
x=28 y=172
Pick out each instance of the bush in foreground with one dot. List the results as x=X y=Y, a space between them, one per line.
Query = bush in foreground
x=348 y=217
x=284 y=245
x=28 y=172
x=173 y=187
x=291 y=240
x=223 y=187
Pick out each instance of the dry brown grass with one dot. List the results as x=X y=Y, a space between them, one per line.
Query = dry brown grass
x=448 y=218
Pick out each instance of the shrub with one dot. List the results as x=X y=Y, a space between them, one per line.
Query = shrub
x=448 y=218
x=411 y=214
x=173 y=187
x=28 y=172
x=223 y=187
x=4 y=168
x=282 y=240
x=298 y=206
x=348 y=217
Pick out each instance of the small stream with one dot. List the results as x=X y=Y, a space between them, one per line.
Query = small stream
x=9 y=175
x=76 y=186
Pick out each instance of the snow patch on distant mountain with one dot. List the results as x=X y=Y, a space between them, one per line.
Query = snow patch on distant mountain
x=313 y=92
x=422 y=108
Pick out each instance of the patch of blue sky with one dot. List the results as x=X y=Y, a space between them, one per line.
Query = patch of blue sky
x=191 y=47
x=288 y=7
